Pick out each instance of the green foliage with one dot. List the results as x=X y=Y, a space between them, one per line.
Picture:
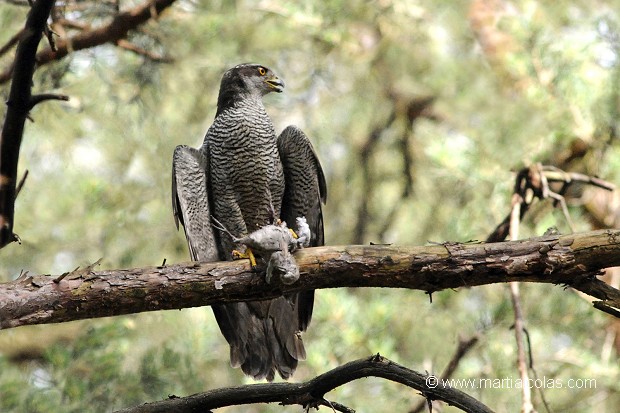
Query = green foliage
x=520 y=85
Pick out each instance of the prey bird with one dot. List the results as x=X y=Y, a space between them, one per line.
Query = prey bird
x=241 y=173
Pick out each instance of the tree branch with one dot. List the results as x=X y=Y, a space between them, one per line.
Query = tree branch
x=572 y=260
x=42 y=97
x=519 y=325
x=112 y=32
x=311 y=393
x=11 y=42
x=462 y=349
x=19 y=104
x=124 y=44
x=533 y=183
x=21 y=100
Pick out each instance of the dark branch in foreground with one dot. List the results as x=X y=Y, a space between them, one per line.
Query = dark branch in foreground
x=21 y=100
x=311 y=393
x=570 y=260
x=36 y=99
x=19 y=104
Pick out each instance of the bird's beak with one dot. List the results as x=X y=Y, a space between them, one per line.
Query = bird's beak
x=275 y=84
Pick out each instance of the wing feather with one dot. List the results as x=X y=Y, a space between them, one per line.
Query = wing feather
x=304 y=191
x=190 y=202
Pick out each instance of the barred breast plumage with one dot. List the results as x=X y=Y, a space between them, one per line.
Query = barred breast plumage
x=246 y=172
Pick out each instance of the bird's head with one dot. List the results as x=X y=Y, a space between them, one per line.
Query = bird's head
x=252 y=78
x=247 y=79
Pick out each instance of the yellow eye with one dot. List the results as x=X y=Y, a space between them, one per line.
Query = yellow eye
x=262 y=71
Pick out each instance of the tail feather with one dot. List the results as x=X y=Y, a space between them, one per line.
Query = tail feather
x=263 y=336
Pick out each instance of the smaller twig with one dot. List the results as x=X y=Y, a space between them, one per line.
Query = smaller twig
x=544 y=183
x=530 y=357
x=590 y=285
x=63 y=275
x=21 y=183
x=554 y=174
x=22 y=275
x=534 y=372
x=335 y=406
x=341 y=407
x=49 y=34
x=515 y=296
x=124 y=44
x=462 y=349
x=71 y=24
x=11 y=42
x=519 y=327
x=464 y=346
x=560 y=199
x=603 y=306
x=515 y=219
x=89 y=268
x=36 y=99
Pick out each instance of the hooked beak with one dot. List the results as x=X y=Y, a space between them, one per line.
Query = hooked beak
x=275 y=84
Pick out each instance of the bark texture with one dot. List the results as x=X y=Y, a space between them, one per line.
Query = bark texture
x=571 y=260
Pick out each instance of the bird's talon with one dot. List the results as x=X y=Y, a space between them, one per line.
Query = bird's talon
x=238 y=255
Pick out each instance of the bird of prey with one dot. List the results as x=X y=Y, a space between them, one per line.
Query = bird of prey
x=241 y=176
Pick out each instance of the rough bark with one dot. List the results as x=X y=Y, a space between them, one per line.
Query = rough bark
x=310 y=393
x=571 y=260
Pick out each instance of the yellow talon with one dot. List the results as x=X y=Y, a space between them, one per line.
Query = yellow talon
x=247 y=254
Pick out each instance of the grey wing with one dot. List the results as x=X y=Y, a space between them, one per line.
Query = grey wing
x=190 y=202
x=305 y=188
x=304 y=191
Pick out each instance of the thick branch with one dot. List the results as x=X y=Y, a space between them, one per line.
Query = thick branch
x=21 y=99
x=572 y=260
x=311 y=392
x=112 y=32
x=19 y=104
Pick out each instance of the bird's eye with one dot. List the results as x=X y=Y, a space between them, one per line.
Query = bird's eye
x=262 y=71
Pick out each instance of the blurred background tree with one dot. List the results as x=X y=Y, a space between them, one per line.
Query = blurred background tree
x=419 y=111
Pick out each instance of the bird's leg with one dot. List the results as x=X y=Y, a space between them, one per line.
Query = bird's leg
x=251 y=257
x=245 y=254
x=236 y=254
